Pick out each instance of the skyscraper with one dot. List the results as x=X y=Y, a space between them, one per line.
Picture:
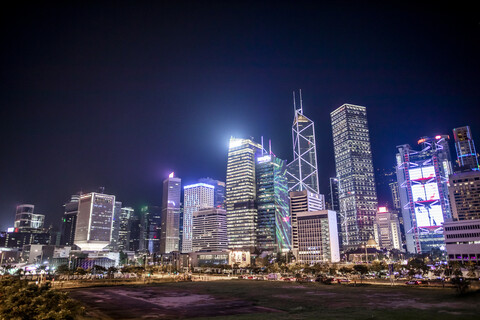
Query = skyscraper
x=422 y=177
x=170 y=229
x=353 y=162
x=196 y=196
x=209 y=230
x=241 y=193
x=117 y=210
x=124 y=228
x=273 y=221
x=303 y=201
x=151 y=226
x=387 y=230
x=465 y=147
x=464 y=190
x=93 y=230
x=69 y=221
x=27 y=220
x=302 y=171
x=219 y=197
x=317 y=237
x=333 y=195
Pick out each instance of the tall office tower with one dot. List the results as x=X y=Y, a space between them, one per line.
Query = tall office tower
x=209 y=230
x=124 y=228
x=27 y=220
x=422 y=176
x=274 y=226
x=302 y=171
x=353 y=162
x=195 y=197
x=170 y=229
x=395 y=193
x=151 y=226
x=117 y=210
x=464 y=191
x=93 y=231
x=467 y=157
x=137 y=238
x=241 y=194
x=69 y=221
x=219 y=200
x=317 y=237
x=301 y=201
x=387 y=230
x=333 y=194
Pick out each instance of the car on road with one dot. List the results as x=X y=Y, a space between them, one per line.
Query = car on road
x=413 y=282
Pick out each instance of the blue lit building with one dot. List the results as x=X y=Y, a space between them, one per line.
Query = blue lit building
x=274 y=229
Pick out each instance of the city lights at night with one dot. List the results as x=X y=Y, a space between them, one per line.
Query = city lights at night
x=292 y=160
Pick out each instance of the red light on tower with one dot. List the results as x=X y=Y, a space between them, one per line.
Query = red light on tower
x=421 y=140
x=438 y=137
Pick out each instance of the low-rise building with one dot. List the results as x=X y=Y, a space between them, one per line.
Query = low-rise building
x=462 y=239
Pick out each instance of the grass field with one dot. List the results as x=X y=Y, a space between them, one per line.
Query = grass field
x=245 y=299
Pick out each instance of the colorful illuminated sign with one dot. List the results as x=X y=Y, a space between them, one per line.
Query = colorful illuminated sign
x=425 y=194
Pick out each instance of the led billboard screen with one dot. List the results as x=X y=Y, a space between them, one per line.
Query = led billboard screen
x=425 y=193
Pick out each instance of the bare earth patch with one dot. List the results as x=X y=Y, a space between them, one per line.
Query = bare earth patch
x=157 y=303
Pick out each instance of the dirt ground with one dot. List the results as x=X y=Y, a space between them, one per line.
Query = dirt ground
x=245 y=299
x=154 y=302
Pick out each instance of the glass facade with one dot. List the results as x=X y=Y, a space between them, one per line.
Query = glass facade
x=302 y=171
x=423 y=180
x=354 y=168
x=170 y=229
x=274 y=222
x=241 y=194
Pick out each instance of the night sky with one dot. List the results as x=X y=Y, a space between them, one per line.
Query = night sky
x=120 y=94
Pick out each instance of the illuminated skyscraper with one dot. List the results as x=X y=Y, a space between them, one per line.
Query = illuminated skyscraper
x=115 y=226
x=466 y=154
x=196 y=196
x=464 y=190
x=241 y=194
x=274 y=227
x=219 y=197
x=209 y=230
x=302 y=171
x=27 y=220
x=353 y=162
x=93 y=230
x=422 y=177
x=317 y=237
x=170 y=229
x=387 y=230
x=124 y=228
x=303 y=201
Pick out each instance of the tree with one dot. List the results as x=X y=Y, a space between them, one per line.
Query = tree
x=63 y=269
x=472 y=268
x=416 y=266
x=20 y=300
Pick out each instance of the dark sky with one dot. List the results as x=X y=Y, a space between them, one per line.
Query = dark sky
x=119 y=94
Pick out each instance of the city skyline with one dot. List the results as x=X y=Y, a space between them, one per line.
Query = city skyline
x=75 y=115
